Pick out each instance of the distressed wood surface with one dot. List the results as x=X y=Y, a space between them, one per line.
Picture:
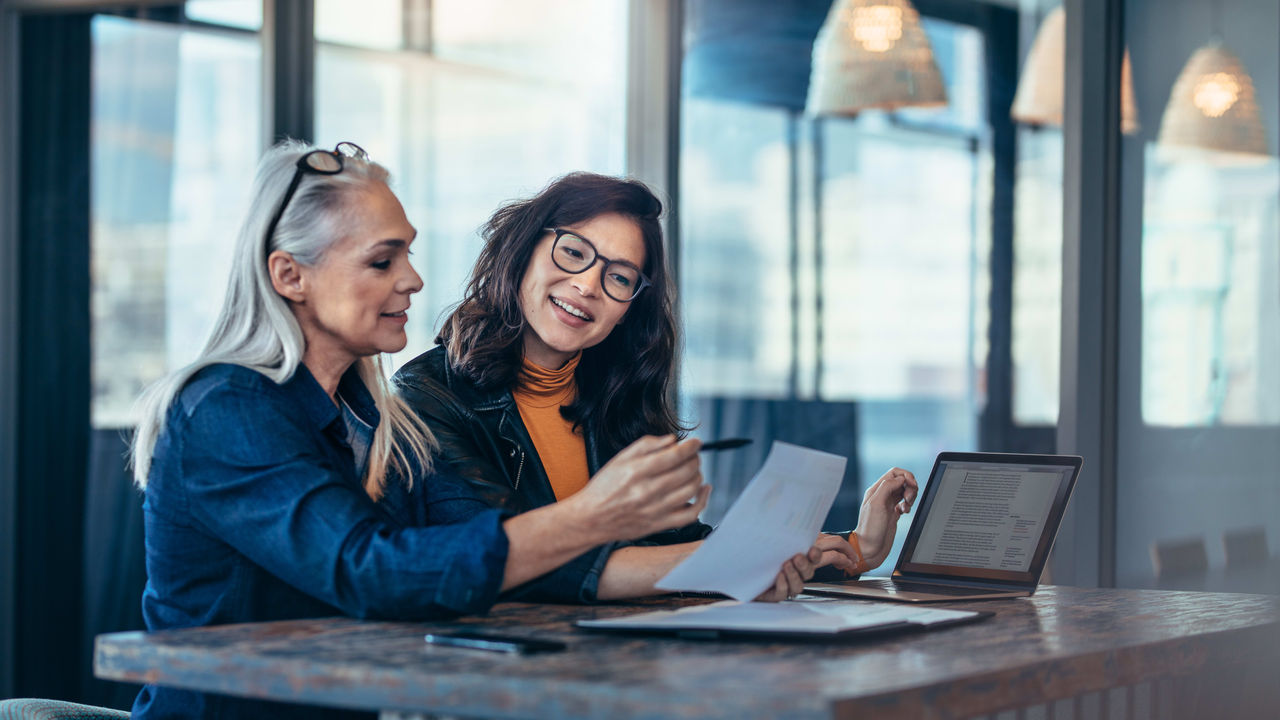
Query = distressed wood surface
x=1062 y=643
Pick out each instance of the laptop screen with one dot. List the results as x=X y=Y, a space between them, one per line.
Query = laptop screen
x=988 y=516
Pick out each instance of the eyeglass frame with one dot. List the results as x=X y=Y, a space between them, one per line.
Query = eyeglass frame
x=302 y=167
x=604 y=269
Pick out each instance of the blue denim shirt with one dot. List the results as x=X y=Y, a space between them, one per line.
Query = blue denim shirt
x=254 y=512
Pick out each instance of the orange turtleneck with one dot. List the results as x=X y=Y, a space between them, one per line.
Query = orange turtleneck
x=539 y=395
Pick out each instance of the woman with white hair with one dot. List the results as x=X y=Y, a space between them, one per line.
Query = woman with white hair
x=262 y=461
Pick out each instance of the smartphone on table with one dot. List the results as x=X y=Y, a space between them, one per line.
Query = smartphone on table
x=479 y=640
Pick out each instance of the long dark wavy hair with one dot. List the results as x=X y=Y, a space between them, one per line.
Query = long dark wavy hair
x=624 y=382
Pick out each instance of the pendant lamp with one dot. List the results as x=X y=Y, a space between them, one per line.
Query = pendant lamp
x=1212 y=107
x=872 y=54
x=1039 y=98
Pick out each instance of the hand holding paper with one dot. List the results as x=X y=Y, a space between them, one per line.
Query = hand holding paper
x=777 y=516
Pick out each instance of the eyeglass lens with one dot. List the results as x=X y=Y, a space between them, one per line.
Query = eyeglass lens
x=324 y=162
x=574 y=254
x=330 y=163
x=351 y=149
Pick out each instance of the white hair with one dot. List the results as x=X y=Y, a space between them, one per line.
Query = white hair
x=256 y=328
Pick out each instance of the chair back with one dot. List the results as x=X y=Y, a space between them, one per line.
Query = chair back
x=39 y=709
x=1246 y=547
x=1179 y=558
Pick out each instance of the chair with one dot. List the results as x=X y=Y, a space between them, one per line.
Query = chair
x=35 y=709
x=1179 y=558
x=1245 y=548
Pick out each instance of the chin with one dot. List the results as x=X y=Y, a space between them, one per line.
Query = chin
x=570 y=348
x=391 y=346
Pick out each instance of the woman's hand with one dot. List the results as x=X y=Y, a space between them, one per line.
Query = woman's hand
x=790 y=580
x=884 y=502
x=654 y=484
x=836 y=552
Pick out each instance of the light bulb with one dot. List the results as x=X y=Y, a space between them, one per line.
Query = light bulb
x=877 y=27
x=1215 y=94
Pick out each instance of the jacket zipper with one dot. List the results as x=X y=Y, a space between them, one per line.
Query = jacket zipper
x=519 y=470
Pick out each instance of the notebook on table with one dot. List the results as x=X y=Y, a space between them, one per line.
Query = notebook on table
x=983 y=529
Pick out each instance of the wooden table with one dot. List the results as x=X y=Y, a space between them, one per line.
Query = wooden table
x=1073 y=652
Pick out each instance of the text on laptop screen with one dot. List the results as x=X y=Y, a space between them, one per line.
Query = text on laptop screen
x=988 y=516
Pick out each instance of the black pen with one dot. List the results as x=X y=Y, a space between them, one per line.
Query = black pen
x=726 y=444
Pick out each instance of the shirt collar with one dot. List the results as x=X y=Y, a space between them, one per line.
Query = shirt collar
x=317 y=405
x=358 y=398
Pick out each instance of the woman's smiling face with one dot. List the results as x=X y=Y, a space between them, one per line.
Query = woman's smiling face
x=566 y=313
x=358 y=294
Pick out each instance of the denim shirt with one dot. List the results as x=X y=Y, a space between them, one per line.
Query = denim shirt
x=254 y=511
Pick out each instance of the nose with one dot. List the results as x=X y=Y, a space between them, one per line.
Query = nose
x=587 y=282
x=409 y=281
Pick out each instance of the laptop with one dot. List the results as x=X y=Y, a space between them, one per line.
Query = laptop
x=983 y=529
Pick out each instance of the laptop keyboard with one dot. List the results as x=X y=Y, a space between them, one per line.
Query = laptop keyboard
x=908 y=586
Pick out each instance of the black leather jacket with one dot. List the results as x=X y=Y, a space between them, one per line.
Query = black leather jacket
x=483 y=438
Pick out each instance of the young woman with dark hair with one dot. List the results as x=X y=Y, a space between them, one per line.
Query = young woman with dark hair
x=559 y=362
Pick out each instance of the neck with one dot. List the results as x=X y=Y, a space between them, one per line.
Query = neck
x=545 y=357
x=327 y=369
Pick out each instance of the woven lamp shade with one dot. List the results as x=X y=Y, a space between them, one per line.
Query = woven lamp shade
x=872 y=54
x=1040 y=89
x=1212 y=107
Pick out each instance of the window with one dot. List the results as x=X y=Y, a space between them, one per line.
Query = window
x=1037 y=276
x=470 y=105
x=175 y=132
x=1210 y=279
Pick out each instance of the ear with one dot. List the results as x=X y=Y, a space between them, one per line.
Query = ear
x=286 y=276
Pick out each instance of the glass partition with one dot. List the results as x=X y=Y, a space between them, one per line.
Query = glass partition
x=834 y=276
x=1199 y=393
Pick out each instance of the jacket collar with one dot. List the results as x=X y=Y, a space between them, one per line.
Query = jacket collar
x=470 y=393
x=510 y=426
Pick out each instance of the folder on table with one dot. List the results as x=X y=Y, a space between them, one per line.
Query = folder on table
x=805 y=617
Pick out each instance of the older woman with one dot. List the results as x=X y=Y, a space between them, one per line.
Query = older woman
x=561 y=357
x=263 y=460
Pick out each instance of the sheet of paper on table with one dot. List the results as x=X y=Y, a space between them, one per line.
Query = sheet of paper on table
x=805 y=616
x=778 y=515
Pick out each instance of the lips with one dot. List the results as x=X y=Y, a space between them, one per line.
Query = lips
x=572 y=309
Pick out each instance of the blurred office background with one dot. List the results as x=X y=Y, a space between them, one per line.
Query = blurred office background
x=1061 y=232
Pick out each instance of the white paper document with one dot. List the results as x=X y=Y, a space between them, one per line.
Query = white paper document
x=778 y=515
x=808 y=616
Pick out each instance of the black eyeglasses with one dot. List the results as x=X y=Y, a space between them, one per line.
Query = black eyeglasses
x=316 y=162
x=575 y=254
